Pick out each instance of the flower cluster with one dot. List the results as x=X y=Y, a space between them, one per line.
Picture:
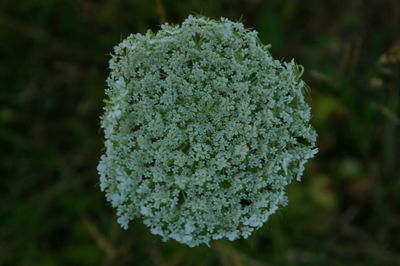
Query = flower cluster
x=203 y=131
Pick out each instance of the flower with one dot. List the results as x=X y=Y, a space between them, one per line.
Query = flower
x=203 y=131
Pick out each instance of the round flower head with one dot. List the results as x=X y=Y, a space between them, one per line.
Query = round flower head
x=203 y=131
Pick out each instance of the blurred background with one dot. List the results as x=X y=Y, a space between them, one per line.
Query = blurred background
x=53 y=66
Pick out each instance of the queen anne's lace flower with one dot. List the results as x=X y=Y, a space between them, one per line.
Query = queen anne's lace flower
x=203 y=131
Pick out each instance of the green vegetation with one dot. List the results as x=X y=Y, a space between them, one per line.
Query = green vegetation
x=54 y=57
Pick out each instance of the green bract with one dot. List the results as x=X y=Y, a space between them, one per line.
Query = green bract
x=203 y=131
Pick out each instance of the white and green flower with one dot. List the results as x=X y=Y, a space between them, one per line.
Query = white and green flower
x=203 y=131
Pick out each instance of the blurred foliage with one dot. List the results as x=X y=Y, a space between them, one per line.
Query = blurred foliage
x=53 y=67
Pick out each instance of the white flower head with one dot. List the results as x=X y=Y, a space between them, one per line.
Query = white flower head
x=203 y=131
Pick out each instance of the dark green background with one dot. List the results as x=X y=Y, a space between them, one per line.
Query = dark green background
x=53 y=66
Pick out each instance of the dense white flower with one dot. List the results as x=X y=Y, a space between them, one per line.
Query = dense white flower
x=203 y=131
